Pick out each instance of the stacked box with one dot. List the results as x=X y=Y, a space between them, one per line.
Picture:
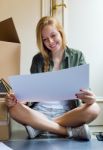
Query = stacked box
x=9 y=65
x=5 y=129
x=9 y=49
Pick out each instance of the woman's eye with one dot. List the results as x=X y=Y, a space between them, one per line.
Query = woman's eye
x=44 y=40
x=54 y=35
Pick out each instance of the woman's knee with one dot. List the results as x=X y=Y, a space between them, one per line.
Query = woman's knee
x=91 y=112
x=95 y=110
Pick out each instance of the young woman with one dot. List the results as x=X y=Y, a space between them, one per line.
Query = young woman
x=59 y=117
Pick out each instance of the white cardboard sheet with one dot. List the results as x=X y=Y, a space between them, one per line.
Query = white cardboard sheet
x=4 y=147
x=51 y=86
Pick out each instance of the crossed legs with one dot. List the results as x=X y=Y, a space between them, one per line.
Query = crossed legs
x=76 y=117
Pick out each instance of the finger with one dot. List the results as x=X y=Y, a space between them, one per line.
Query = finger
x=11 y=99
x=11 y=96
x=85 y=96
x=86 y=92
x=88 y=99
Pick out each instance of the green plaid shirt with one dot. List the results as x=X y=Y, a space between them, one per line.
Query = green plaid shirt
x=71 y=58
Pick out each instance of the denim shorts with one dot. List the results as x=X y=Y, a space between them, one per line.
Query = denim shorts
x=50 y=112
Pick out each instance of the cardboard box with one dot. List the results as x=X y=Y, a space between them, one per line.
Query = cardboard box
x=9 y=49
x=5 y=128
x=9 y=65
x=5 y=131
x=3 y=110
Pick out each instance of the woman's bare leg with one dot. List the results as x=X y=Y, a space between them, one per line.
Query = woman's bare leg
x=78 y=116
x=27 y=116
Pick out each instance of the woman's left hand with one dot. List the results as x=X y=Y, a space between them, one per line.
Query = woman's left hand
x=86 y=96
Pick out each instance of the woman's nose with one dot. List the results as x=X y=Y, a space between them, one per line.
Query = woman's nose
x=50 y=40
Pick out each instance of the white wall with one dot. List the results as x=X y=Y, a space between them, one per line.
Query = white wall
x=84 y=28
x=25 y=14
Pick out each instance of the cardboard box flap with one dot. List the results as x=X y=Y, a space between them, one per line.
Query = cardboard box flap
x=8 y=32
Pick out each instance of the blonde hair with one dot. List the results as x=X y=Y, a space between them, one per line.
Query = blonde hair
x=47 y=20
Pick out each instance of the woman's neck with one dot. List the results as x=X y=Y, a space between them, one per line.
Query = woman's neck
x=57 y=58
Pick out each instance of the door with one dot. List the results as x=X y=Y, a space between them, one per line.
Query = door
x=60 y=10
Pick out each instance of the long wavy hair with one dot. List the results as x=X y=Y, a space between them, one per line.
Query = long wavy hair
x=48 y=20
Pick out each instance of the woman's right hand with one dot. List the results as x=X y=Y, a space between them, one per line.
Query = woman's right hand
x=11 y=100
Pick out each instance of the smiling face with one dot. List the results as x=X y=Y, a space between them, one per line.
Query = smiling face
x=52 y=38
